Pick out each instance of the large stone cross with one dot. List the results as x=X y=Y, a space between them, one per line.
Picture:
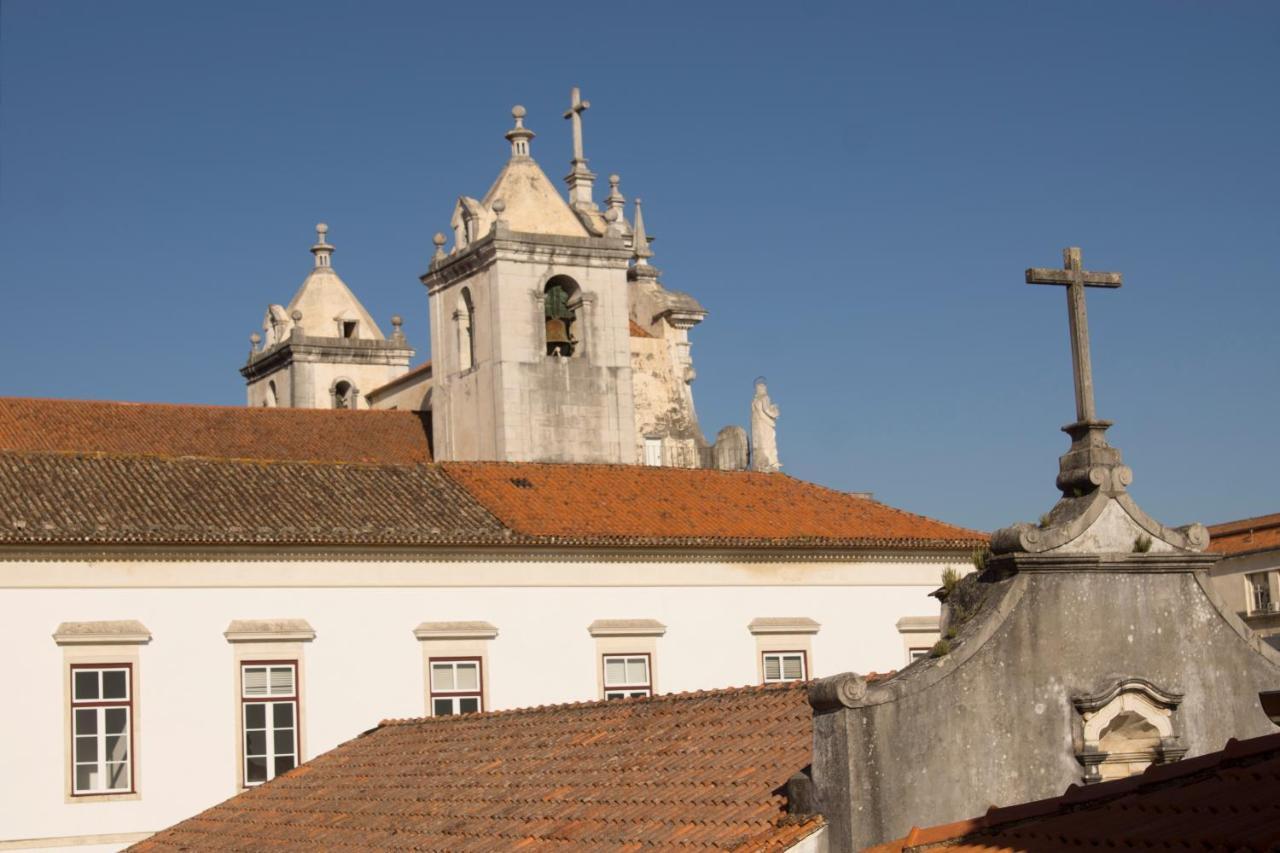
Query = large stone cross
x=576 y=107
x=1076 y=279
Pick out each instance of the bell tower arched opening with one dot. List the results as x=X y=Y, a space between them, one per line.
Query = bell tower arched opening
x=563 y=298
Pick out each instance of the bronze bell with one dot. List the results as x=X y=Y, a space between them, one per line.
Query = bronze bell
x=558 y=340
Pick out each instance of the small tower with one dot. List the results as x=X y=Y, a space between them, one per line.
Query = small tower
x=323 y=350
x=529 y=316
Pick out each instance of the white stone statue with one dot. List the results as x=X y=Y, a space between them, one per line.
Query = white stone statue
x=764 y=431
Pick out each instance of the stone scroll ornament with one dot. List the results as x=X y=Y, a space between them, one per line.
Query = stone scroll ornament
x=764 y=430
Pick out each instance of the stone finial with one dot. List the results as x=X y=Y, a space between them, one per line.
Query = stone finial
x=296 y=315
x=397 y=333
x=499 y=208
x=519 y=136
x=322 y=249
x=641 y=251
x=616 y=203
x=254 y=340
x=439 y=241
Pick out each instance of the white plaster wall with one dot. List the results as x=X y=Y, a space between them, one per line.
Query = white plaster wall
x=365 y=664
x=1230 y=581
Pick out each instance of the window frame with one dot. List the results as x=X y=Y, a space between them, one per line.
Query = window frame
x=433 y=694
x=653 y=443
x=103 y=704
x=804 y=665
x=1259 y=586
x=626 y=691
x=269 y=729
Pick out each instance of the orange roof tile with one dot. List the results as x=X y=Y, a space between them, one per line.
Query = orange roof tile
x=1227 y=800
x=220 y=432
x=698 y=771
x=1246 y=535
x=638 y=331
x=636 y=504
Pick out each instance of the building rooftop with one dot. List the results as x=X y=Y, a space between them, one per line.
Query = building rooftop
x=1245 y=536
x=74 y=473
x=694 y=771
x=1227 y=800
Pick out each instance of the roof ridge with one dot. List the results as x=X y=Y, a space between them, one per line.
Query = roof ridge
x=1257 y=522
x=210 y=407
x=235 y=460
x=660 y=698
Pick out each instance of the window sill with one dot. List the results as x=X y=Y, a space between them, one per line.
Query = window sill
x=104 y=797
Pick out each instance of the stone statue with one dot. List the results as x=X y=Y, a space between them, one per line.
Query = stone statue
x=730 y=451
x=764 y=430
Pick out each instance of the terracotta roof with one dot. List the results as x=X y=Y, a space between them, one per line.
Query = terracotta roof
x=638 y=504
x=1227 y=800
x=223 y=432
x=1246 y=535
x=638 y=331
x=57 y=498
x=693 y=771
x=402 y=379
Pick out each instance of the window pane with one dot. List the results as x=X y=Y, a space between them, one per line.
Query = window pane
x=255 y=716
x=86 y=721
x=468 y=676
x=257 y=770
x=117 y=748
x=283 y=742
x=255 y=681
x=615 y=671
x=282 y=681
x=792 y=667
x=118 y=776
x=255 y=743
x=284 y=764
x=637 y=671
x=87 y=748
x=86 y=684
x=115 y=684
x=468 y=705
x=282 y=715
x=442 y=707
x=772 y=668
x=441 y=676
x=117 y=720
x=614 y=695
x=86 y=777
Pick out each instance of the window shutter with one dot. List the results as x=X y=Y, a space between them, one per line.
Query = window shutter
x=637 y=671
x=615 y=671
x=792 y=668
x=468 y=677
x=255 y=681
x=281 y=680
x=772 y=668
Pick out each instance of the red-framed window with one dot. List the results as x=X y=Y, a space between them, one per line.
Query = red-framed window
x=268 y=718
x=784 y=666
x=457 y=686
x=627 y=675
x=101 y=729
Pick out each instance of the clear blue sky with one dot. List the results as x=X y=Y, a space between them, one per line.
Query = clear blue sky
x=852 y=190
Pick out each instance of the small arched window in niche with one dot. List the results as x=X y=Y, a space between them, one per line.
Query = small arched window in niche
x=344 y=395
x=561 y=309
x=466 y=319
x=271 y=401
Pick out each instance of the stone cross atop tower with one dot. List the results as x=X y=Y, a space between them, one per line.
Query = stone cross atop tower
x=580 y=179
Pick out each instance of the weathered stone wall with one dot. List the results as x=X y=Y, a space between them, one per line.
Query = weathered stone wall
x=664 y=402
x=993 y=721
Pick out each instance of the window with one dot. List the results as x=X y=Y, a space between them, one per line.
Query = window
x=626 y=676
x=455 y=686
x=783 y=666
x=561 y=315
x=101 y=728
x=344 y=395
x=269 y=715
x=653 y=451
x=465 y=317
x=915 y=653
x=1259 y=593
x=348 y=328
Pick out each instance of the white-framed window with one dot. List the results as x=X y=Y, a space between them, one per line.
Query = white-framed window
x=918 y=652
x=784 y=666
x=101 y=728
x=1260 y=592
x=269 y=718
x=626 y=676
x=455 y=686
x=653 y=451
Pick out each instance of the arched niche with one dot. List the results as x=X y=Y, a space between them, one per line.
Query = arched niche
x=1126 y=728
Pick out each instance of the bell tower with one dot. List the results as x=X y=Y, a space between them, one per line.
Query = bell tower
x=530 y=349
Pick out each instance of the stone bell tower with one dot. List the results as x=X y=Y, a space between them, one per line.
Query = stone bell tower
x=530 y=352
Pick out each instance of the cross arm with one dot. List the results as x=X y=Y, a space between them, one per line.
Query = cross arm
x=1041 y=275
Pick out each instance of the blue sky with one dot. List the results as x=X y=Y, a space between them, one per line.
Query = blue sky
x=852 y=190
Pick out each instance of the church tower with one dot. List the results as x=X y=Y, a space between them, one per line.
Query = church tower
x=530 y=348
x=323 y=350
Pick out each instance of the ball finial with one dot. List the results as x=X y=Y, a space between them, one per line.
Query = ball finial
x=611 y=215
x=397 y=321
x=517 y=112
x=439 y=240
x=321 y=230
x=255 y=339
x=296 y=315
x=614 y=179
x=499 y=206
